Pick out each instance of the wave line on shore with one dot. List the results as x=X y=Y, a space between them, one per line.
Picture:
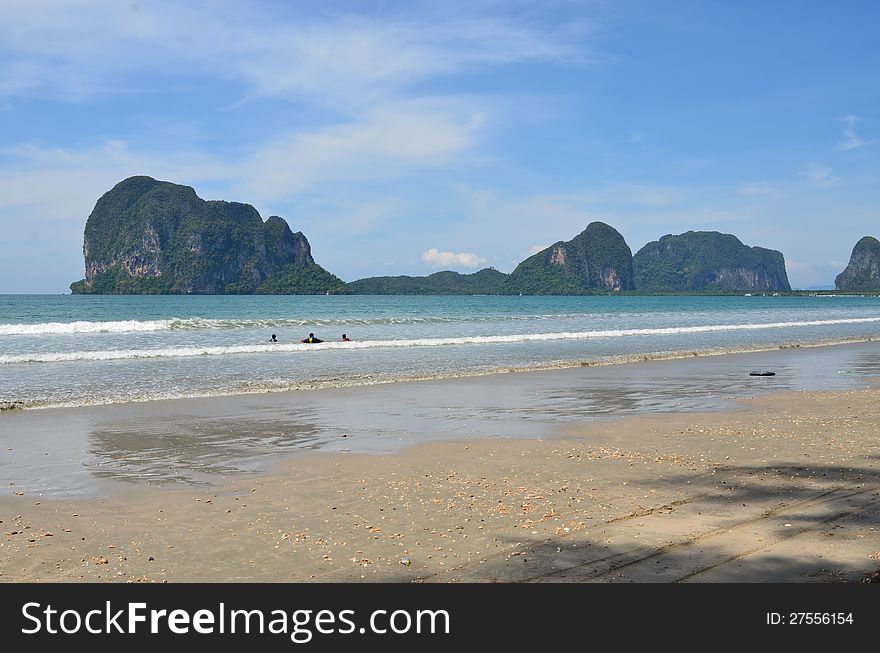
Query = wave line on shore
x=362 y=380
x=201 y=323
x=180 y=352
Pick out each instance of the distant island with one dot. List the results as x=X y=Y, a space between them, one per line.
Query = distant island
x=597 y=260
x=487 y=281
x=708 y=261
x=863 y=272
x=155 y=237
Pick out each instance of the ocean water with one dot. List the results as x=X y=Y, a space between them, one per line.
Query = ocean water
x=76 y=350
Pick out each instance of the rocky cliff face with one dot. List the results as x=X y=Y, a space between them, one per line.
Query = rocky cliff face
x=707 y=261
x=596 y=260
x=863 y=272
x=149 y=236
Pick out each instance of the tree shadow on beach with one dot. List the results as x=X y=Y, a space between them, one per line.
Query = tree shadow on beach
x=762 y=523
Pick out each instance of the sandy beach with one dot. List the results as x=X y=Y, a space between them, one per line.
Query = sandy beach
x=781 y=487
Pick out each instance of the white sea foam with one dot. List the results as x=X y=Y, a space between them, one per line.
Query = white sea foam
x=196 y=323
x=49 y=328
x=179 y=352
x=361 y=380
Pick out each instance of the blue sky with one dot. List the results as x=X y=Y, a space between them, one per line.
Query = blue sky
x=406 y=137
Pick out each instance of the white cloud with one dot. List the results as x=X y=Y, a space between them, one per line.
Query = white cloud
x=74 y=49
x=818 y=175
x=851 y=139
x=78 y=177
x=364 y=57
x=388 y=141
x=534 y=249
x=352 y=140
x=437 y=259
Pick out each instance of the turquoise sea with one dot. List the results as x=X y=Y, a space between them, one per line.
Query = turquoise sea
x=74 y=350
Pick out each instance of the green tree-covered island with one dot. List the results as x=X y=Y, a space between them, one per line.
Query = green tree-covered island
x=155 y=237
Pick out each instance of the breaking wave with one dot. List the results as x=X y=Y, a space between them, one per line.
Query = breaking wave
x=197 y=323
x=179 y=352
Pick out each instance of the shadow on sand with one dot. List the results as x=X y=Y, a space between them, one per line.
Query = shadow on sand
x=773 y=523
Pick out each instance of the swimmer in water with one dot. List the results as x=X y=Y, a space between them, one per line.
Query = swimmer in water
x=273 y=338
x=345 y=338
x=311 y=339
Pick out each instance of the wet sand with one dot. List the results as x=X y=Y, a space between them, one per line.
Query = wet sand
x=95 y=452
x=780 y=488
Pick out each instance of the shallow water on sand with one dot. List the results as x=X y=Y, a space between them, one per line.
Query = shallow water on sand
x=87 y=451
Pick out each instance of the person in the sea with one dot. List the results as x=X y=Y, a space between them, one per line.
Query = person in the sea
x=273 y=338
x=311 y=339
x=345 y=338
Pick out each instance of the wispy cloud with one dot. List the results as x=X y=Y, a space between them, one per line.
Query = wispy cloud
x=74 y=49
x=437 y=259
x=385 y=143
x=851 y=140
x=534 y=249
x=78 y=177
x=818 y=175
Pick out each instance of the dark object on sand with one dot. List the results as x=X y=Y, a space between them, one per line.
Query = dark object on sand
x=762 y=373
